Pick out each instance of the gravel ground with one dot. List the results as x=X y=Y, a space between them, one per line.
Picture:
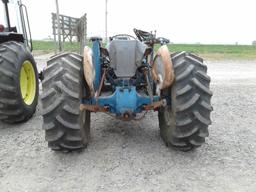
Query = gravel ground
x=130 y=156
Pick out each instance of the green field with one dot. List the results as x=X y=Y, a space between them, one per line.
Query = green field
x=211 y=52
x=219 y=51
x=49 y=46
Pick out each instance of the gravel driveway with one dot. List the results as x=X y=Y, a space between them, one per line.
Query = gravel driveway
x=130 y=156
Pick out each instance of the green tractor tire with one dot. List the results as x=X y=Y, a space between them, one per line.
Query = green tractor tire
x=184 y=124
x=66 y=128
x=18 y=83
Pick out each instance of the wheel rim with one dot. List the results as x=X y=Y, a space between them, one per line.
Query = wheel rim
x=28 y=82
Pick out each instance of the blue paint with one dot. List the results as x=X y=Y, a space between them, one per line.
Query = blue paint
x=97 y=63
x=126 y=100
x=123 y=100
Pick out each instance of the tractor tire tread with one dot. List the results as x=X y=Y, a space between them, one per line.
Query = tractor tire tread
x=60 y=102
x=184 y=124
x=13 y=109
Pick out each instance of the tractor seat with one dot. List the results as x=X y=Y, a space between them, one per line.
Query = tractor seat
x=126 y=56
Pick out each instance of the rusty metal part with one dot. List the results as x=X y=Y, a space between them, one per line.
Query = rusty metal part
x=101 y=84
x=126 y=116
x=93 y=108
x=89 y=71
x=149 y=88
x=155 y=105
x=97 y=108
x=162 y=69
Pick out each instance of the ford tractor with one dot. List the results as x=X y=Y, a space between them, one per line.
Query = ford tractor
x=126 y=79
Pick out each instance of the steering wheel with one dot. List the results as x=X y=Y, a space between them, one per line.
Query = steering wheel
x=143 y=35
x=122 y=37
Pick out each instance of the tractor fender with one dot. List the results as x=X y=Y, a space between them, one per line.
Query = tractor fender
x=89 y=70
x=162 y=69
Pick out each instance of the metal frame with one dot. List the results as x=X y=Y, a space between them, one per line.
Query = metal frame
x=5 y=2
x=11 y=34
x=26 y=30
x=125 y=102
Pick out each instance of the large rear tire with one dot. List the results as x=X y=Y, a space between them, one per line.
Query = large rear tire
x=184 y=124
x=18 y=83
x=61 y=102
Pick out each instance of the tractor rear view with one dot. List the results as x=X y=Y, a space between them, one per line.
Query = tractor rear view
x=126 y=80
x=18 y=72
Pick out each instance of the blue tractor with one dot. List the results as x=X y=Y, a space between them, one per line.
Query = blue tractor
x=126 y=79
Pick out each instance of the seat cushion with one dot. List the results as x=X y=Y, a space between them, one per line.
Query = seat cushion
x=126 y=56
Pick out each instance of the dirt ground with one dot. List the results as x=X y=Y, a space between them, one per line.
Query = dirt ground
x=130 y=156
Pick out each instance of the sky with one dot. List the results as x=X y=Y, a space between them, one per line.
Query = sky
x=182 y=21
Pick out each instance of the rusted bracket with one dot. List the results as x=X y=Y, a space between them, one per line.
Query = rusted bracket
x=101 y=84
x=97 y=108
x=155 y=105
x=93 y=108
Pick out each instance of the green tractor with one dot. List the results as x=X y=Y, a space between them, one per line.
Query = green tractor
x=18 y=72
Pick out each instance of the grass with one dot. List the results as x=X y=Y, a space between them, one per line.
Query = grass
x=218 y=51
x=210 y=52
x=49 y=46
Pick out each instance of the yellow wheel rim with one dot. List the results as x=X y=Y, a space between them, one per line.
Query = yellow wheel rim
x=28 y=82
